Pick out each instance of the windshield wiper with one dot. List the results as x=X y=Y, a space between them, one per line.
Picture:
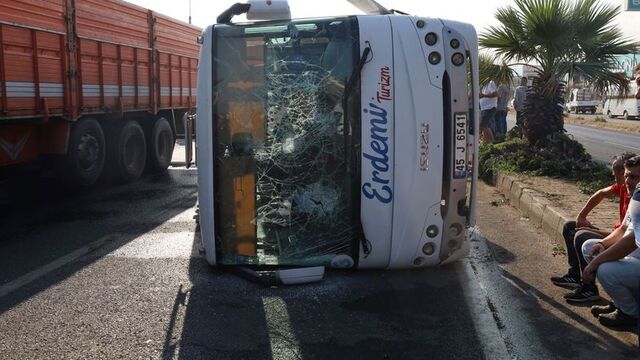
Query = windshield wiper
x=355 y=74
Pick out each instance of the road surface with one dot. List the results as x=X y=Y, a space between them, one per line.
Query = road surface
x=602 y=144
x=119 y=273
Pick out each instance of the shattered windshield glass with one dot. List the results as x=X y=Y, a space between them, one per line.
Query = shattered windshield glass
x=286 y=142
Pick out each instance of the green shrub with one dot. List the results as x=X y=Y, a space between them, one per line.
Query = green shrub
x=561 y=157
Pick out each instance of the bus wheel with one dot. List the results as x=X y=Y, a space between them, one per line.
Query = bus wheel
x=127 y=152
x=161 y=142
x=625 y=115
x=85 y=158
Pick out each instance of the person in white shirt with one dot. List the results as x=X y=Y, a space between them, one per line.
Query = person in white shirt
x=488 y=105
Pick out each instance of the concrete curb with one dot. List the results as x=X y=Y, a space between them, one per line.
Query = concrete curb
x=549 y=218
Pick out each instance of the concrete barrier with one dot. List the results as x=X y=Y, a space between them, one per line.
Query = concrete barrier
x=530 y=205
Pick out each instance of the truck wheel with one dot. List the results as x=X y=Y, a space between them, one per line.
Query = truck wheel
x=85 y=158
x=625 y=115
x=127 y=152
x=161 y=142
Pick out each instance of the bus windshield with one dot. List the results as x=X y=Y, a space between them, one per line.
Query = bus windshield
x=286 y=142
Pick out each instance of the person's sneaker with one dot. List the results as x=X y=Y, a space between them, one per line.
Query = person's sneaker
x=603 y=309
x=566 y=281
x=583 y=294
x=617 y=319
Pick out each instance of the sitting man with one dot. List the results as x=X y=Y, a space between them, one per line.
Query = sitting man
x=618 y=269
x=575 y=233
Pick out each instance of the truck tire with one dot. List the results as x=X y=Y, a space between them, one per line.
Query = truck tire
x=160 y=145
x=127 y=152
x=625 y=115
x=85 y=158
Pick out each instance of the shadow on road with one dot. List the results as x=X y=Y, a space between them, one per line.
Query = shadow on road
x=588 y=340
x=350 y=315
x=51 y=224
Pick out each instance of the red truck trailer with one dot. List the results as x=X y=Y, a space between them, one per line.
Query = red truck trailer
x=92 y=87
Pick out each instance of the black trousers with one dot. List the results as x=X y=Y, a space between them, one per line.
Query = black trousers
x=574 y=240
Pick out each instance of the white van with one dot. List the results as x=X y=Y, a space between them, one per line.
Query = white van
x=627 y=107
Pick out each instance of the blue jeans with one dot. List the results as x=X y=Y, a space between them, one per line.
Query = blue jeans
x=501 y=122
x=619 y=278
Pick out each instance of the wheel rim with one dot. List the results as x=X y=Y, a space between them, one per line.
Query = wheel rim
x=88 y=152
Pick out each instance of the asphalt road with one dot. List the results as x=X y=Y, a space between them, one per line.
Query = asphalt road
x=602 y=144
x=118 y=273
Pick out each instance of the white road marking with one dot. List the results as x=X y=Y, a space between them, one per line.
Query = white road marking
x=185 y=216
x=52 y=266
x=284 y=344
x=624 y=146
x=159 y=245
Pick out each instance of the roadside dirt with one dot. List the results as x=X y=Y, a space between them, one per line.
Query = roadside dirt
x=565 y=196
x=602 y=122
x=528 y=257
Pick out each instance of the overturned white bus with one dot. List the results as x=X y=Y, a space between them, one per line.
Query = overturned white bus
x=347 y=142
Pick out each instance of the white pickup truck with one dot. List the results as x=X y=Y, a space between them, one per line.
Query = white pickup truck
x=582 y=101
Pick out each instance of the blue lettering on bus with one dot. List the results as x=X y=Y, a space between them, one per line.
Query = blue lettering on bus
x=377 y=187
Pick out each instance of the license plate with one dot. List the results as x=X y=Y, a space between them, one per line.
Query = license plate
x=460 y=158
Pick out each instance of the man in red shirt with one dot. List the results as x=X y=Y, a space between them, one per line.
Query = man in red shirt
x=576 y=232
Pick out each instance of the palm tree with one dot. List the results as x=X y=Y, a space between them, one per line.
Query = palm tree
x=564 y=39
x=492 y=68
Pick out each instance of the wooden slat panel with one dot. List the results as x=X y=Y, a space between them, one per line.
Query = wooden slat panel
x=113 y=21
x=45 y=14
x=176 y=37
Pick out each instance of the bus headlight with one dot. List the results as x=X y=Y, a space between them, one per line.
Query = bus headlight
x=428 y=249
x=434 y=58
x=431 y=38
x=457 y=59
x=432 y=231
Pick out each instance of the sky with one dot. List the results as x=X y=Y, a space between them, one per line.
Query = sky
x=479 y=13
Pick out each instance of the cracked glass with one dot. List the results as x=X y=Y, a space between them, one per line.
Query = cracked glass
x=286 y=143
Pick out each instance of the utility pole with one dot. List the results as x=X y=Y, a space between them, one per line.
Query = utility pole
x=189 y=11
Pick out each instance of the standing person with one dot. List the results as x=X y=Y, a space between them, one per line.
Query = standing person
x=577 y=232
x=519 y=101
x=488 y=104
x=502 y=108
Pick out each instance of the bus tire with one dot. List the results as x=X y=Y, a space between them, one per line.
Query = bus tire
x=160 y=145
x=127 y=152
x=625 y=115
x=85 y=158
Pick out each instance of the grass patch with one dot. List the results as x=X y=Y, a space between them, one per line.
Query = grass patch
x=563 y=158
x=499 y=202
x=558 y=249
